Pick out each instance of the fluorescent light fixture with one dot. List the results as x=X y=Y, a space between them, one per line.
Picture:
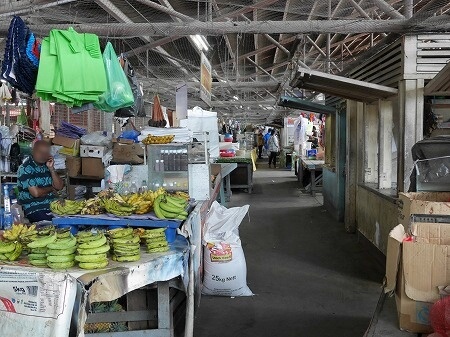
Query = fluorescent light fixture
x=236 y=98
x=200 y=42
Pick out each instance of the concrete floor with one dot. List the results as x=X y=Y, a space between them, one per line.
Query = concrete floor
x=310 y=278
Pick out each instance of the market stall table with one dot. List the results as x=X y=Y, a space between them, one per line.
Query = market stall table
x=51 y=299
x=226 y=169
x=313 y=166
x=242 y=175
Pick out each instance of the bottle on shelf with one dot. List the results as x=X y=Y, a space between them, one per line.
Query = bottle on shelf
x=144 y=186
x=178 y=160
x=184 y=160
x=161 y=165
x=171 y=160
x=7 y=216
x=157 y=165
x=133 y=187
x=166 y=159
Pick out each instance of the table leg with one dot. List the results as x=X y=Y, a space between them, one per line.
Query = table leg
x=228 y=182
x=300 y=173
x=165 y=319
x=222 y=193
x=313 y=182
x=250 y=178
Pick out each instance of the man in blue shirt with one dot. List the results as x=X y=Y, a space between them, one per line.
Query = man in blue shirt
x=37 y=181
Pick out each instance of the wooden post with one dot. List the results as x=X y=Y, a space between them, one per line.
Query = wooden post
x=385 y=144
x=351 y=169
x=360 y=132
x=44 y=116
x=371 y=143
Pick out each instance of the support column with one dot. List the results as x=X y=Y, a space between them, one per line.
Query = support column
x=44 y=116
x=371 y=143
x=411 y=103
x=385 y=141
x=351 y=169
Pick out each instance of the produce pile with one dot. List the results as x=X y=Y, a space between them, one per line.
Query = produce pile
x=150 y=139
x=59 y=249
x=165 y=205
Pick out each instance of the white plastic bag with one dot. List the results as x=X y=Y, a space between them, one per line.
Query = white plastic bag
x=98 y=138
x=224 y=260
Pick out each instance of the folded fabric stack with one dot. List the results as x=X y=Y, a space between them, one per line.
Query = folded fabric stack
x=21 y=59
x=71 y=69
x=70 y=131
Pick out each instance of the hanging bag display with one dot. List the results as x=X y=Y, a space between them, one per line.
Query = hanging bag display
x=137 y=109
x=119 y=93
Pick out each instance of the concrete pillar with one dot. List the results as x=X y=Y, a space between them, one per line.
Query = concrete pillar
x=371 y=143
x=351 y=169
x=385 y=144
x=411 y=104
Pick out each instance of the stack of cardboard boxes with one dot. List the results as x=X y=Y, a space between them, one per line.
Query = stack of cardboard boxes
x=418 y=257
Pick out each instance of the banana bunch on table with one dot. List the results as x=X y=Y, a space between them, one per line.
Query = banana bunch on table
x=10 y=251
x=13 y=233
x=66 y=207
x=61 y=252
x=150 y=139
x=170 y=207
x=141 y=205
x=92 y=250
x=155 y=240
x=93 y=206
x=118 y=206
x=125 y=245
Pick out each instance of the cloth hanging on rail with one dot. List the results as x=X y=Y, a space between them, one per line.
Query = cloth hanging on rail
x=21 y=58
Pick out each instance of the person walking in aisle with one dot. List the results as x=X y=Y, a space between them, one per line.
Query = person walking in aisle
x=274 y=148
x=260 y=140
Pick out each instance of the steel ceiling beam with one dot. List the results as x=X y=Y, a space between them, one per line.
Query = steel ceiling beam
x=432 y=25
x=33 y=6
x=388 y=9
x=167 y=10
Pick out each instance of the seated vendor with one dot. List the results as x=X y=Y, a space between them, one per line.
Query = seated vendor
x=37 y=181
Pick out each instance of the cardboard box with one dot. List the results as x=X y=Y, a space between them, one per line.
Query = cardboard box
x=92 y=167
x=128 y=153
x=93 y=151
x=414 y=272
x=73 y=166
x=434 y=233
x=66 y=142
x=422 y=203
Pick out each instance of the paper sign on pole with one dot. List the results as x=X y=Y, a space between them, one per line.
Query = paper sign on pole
x=181 y=103
x=205 y=80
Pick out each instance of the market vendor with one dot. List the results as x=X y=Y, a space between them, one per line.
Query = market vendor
x=37 y=181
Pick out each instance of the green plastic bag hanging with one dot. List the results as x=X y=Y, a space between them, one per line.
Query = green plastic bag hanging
x=22 y=119
x=119 y=93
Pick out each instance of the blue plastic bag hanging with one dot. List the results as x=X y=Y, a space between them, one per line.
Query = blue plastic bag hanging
x=119 y=93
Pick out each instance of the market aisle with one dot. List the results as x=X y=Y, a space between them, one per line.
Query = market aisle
x=310 y=277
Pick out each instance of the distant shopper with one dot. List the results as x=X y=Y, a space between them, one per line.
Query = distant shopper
x=274 y=148
x=260 y=141
x=266 y=139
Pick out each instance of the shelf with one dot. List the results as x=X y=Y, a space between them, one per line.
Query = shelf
x=164 y=172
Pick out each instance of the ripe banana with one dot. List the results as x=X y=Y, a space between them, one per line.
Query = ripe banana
x=91 y=258
x=120 y=232
x=93 y=251
x=61 y=258
x=93 y=244
x=42 y=242
x=59 y=252
x=7 y=247
x=130 y=258
x=61 y=265
x=66 y=243
x=93 y=265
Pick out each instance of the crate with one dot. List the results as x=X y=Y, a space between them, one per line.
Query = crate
x=92 y=151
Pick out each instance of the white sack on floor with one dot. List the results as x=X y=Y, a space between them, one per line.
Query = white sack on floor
x=224 y=260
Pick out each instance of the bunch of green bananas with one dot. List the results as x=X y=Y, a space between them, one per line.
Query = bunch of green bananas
x=116 y=207
x=10 y=251
x=156 y=240
x=60 y=253
x=66 y=207
x=93 y=206
x=92 y=249
x=170 y=207
x=38 y=246
x=125 y=245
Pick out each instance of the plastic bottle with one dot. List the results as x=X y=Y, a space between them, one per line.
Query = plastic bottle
x=166 y=160
x=184 y=160
x=133 y=187
x=126 y=189
x=157 y=165
x=178 y=160
x=144 y=186
x=7 y=216
x=161 y=165
x=171 y=160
